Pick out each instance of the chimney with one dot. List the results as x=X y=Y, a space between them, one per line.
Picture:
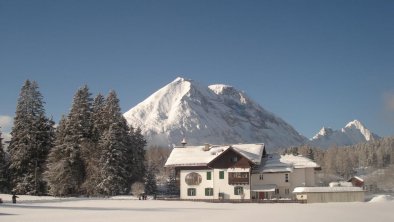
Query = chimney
x=206 y=147
x=184 y=142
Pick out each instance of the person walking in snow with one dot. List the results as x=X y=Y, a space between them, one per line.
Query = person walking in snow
x=14 y=198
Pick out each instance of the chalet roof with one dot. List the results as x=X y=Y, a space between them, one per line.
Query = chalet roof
x=275 y=163
x=197 y=156
x=357 y=178
x=326 y=189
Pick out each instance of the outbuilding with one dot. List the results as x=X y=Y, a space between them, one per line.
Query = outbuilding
x=329 y=194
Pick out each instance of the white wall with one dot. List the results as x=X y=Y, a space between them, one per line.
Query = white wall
x=299 y=177
x=200 y=189
x=218 y=185
x=274 y=178
x=332 y=197
x=228 y=190
x=310 y=177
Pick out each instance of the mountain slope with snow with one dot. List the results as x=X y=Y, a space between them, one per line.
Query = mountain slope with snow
x=354 y=132
x=218 y=114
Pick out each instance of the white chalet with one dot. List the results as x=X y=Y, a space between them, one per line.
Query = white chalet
x=239 y=171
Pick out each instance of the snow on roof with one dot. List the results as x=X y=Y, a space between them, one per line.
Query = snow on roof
x=253 y=152
x=278 y=169
x=358 y=178
x=326 y=189
x=264 y=188
x=340 y=184
x=298 y=161
x=196 y=156
x=275 y=163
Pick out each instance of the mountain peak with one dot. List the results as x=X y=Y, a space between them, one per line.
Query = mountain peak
x=324 y=131
x=216 y=114
x=354 y=132
x=180 y=79
x=355 y=123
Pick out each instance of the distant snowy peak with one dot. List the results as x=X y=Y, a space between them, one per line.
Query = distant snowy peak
x=354 y=132
x=216 y=114
x=323 y=132
x=356 y=125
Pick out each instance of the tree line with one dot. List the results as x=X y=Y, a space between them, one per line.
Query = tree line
x=341 y=163
x=92 y=151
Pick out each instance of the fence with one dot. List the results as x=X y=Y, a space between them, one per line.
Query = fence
x=231 y=200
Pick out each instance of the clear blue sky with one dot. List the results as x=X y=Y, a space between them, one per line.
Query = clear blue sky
x=312 y=63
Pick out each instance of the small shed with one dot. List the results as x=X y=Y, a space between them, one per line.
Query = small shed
x=329 y=194
x=356 y=181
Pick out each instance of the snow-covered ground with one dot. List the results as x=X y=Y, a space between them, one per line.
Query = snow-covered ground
x=43 y=209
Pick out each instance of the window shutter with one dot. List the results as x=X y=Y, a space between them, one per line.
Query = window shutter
x=209 y=176
x=221 y=174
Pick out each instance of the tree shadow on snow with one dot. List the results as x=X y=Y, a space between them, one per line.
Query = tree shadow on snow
x=107 y=208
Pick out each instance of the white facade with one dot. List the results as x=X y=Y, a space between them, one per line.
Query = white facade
x=219 y=186
x=281 y=185
x=329 y=194
x=200 y=189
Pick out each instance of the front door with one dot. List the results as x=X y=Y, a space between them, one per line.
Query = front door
x=261 y=195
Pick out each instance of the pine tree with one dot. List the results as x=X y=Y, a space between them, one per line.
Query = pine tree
x=136 y=155
x=98 y=118
x=58 y=166
x=66 y=166
x=150 y=182
x=4 y=185
x=30 y=143
x=113 y=171
x=92 y=157
x=172 y=187
x=114 y=149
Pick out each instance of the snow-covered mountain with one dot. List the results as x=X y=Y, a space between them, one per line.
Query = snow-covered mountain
x=354 y=132
x=217 y=114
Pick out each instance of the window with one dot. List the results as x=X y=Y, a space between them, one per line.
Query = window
x=261 y=177
x=286 y=177
x=238 y=190
x=191 y=191
x=208 y=191
x=287 y=191
x=234 y=159
x=221 y=174
x=209 y=175
x=238 y=178
x=193 y=179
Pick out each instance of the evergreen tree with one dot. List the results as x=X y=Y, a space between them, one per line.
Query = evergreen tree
x=114 y=149
x=4 y=185
x=66 y=166
x=98 y=118
x=92 y=157
x=136 y=155
x=172 y=187
x=150 y=181
x=58 y=175
x=31 y=141
x=112 y=162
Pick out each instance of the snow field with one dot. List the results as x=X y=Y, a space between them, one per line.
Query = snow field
x=130 y=209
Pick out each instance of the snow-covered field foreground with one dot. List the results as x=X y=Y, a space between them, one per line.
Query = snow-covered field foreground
x=43 y=209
